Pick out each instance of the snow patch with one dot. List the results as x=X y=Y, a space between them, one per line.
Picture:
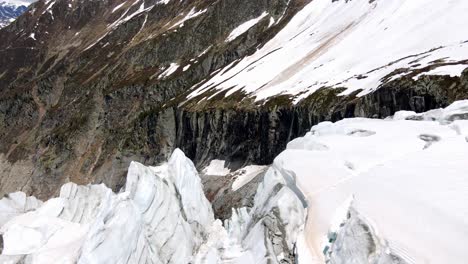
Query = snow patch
x=216 y=168
x=169 y=71
x=241 y=29
x=246 y=174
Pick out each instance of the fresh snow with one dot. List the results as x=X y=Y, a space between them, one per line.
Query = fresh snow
x=452 y=70
x=352 y=44
x=164 y=2
x=125 y=17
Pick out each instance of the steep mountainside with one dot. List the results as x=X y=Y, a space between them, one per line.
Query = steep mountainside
x=9 y=12
x=90 y=85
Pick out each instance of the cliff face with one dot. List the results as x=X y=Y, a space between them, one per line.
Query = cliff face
x=71 y=95
x=88 y=86
x=222 y=129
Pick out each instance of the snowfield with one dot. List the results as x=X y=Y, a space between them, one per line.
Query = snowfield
x=352 y=44
x=407 y=175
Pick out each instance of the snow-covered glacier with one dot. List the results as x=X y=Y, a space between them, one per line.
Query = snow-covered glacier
x=386 y=191
x=161 y=216
x=355 y=191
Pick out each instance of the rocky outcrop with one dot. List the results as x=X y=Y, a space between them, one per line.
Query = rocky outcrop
x=223 y=129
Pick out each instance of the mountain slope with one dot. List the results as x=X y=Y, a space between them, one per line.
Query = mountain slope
x=352 y=44
x=89 y=86
x=9 y=12
x=95 y=69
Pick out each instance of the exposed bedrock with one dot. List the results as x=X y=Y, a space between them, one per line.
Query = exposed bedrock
x=222 y=130
x=96 y=144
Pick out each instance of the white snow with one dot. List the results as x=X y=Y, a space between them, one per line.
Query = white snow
x=118 y=7
x=161 y=216
x=124 y=18
x=241 y=29
x=170 y=70
x=351 y=44
x=452 y=70
x=164 y=2
x=413 y=190
x=246 y=174
x=188 y=16
x=242 y=176
x=216 y=168
x=15 y=204
x=19 y=2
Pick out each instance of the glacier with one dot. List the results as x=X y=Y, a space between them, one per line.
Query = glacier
x=356 y=191
x=402 y=180
x=161 y=216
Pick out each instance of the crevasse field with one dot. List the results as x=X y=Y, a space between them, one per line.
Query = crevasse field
x=395 y=186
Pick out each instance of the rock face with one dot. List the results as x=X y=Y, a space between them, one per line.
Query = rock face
x=72 y=94
x=89 y=86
